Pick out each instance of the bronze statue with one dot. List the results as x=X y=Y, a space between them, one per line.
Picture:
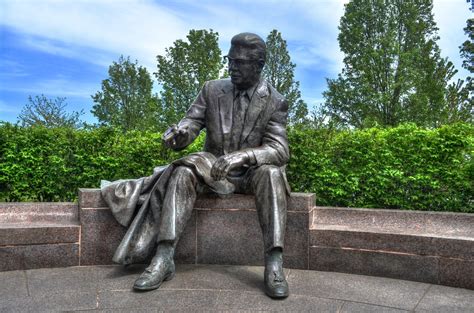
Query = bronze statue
x=246 y=151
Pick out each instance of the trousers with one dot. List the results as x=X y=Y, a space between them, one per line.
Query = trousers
x=266 y=182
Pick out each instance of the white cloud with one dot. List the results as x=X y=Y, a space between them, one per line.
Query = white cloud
x=99 y=31
x=451 y=16
x=57 y=87
x=140 y=29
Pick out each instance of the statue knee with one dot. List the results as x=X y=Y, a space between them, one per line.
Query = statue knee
x=268 y=172
x=183 y=172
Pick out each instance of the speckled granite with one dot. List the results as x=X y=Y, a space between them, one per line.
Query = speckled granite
x=229 y=237
x=38 y=212
x=100 y=236
x=298 y=202
x=29 y=234
x=220 y=231
x=375 y=263
x=456 y=273
x=90 y=198
x=38 y=256
x=430 y=245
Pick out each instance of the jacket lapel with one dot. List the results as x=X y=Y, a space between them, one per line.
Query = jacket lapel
x=225 y=103
x=255 y=108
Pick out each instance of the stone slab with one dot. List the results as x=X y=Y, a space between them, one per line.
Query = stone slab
x=13 y=284
x=331 y=236
x=296 y=241
x=357 y=288
x=456 y=273
x=439 y=224
x=300 y=202
x=229 y=237
x=38 y=212
x=90 y=198
x=238 y=301
x=356 y=307
x=48 y=281
x=235 y=238
x=38 y=256
x=441 y=299
x=59 y=302
x=297 y=202
x=100 y=236
x=165 y=300
x=36 y=233
x=375 y=263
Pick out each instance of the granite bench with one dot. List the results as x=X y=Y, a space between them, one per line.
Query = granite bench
x=420 y=246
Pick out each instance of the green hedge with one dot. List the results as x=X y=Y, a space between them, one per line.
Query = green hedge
x=405 y=167
x=41 y=164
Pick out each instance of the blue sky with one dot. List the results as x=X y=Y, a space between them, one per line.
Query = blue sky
x=63 y=48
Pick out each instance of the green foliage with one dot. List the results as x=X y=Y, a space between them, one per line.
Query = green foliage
x=126 y=101
x=183 y=70
x=393 y=71
x=467 y=54
x=41 y=164
x=406 y=167
x=279 y=72
x=41 y=111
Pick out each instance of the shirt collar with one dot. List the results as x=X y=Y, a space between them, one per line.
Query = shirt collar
x=250 y=91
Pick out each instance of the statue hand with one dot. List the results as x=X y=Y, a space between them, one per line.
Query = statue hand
x=227 y=162
x=175 y=137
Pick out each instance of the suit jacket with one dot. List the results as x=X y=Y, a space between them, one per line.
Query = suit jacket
x=264 y=131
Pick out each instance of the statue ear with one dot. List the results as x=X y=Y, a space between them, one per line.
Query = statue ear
x=260 y=66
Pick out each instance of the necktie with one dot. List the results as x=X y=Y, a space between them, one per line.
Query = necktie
x=241 y=104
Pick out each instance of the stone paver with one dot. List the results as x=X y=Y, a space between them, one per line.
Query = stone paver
x=217 y=288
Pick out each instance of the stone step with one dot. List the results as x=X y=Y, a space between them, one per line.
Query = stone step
x=38 y=223
x=36 y=235
x=432 y=247
x=416 y=223
x=38 y=212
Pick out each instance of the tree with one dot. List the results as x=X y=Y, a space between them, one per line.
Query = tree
x=126 y=99
x=184 y=69
x=393 y=71
x=279 y=72
x=41 y=111
x=467 y=54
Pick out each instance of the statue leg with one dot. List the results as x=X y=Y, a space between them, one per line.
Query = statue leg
x=177 y=208
x=269 y=187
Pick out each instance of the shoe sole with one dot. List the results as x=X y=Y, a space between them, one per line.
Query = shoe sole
x=277 y=296
x=153 y=287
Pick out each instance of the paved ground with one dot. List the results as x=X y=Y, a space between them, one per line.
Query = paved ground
x=219 y=288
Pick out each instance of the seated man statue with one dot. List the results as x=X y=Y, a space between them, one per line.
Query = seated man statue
x=245 y=151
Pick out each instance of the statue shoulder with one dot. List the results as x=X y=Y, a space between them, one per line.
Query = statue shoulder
x=276 y=97
x=218 y=84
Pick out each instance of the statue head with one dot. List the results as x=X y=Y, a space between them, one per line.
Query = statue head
x=246 y=59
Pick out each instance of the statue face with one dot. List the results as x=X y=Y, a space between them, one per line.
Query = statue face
x=244 y=69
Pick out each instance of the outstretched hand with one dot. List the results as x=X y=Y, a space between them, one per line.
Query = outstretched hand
x=175 y=137
x=228 y=162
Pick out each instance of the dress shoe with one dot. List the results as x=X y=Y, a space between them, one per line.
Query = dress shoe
x=160 y=270
x=276 y=285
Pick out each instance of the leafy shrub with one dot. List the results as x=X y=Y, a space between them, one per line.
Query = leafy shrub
x=406 y=167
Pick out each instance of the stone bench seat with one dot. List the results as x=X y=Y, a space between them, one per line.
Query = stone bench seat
x=35 y=235
x=434 y=247
x=427 y=247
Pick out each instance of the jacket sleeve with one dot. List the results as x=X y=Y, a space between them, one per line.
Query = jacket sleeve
x=195 y=118
x=274 y=149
